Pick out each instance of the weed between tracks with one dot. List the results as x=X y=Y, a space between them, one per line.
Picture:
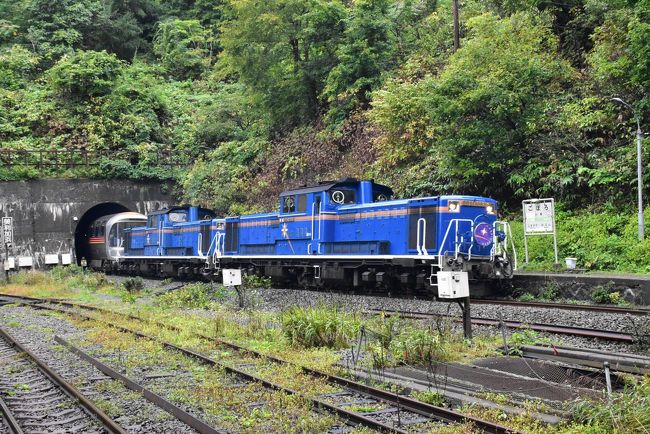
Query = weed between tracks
x=305 y=337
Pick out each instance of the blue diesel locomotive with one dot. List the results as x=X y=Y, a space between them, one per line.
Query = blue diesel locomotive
x=345 y=233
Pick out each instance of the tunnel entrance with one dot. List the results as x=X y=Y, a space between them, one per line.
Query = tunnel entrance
x=97 y=211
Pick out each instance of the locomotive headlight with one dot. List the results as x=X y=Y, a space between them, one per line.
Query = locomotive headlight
x=453 y=206
x=489 y=209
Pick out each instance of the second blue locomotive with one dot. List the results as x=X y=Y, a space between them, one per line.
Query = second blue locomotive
x=343 y=233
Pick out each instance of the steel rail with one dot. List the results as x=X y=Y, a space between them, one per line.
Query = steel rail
x=394 y=399
x=406 y=403
x=346 y=414
x=71 y=391
x=632 y=364
x=565 y=306
x=9 y=418
x=609 y=335
x=158 y=400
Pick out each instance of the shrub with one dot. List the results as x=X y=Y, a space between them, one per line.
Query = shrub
x=87 y=281
x=30 y=278
x=85 y=74
x=253 y=281
x=134 y=284
x=62 y=273
x=195 y=295
x=523 y=338
x=319 y=327
x=430 y=397
x=550 y=291
x=422 y=347
x=600 y=294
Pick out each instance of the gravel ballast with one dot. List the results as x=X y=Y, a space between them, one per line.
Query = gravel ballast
x=134 y=413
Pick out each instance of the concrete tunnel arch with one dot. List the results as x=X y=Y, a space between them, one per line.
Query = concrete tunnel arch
x=92 y=214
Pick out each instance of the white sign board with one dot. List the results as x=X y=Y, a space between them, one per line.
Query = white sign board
x=8 y=230
x=539 y=216
x=25 y=261
x=51 y=259
x=10 y=263
x=539 y=219
x=66 y=258
x=231 y=277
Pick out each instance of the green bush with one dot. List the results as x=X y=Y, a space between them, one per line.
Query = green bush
x=601 y=241
x=30 y=278
x=319 y=327
x=522 y=338
x=253 y=281
x=61 y=273
x=195 y=295
x=600 y=294
x=133 y=284
x=627 y=412
x=421 y=347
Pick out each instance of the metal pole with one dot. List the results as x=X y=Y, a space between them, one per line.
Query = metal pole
x=467 y=318
x=639 y=175
x=608 y=380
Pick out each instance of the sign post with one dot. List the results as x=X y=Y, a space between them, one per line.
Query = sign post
x=7 y=239
x=539 y=219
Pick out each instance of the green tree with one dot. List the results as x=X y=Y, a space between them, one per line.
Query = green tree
x=365 y=52
x=469 y=127
x=184 y=48
x=84 y=74
x=283 y=50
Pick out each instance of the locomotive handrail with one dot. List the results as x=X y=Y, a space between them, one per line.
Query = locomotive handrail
x=496 y=247
x=421 y=248
x=456 y=244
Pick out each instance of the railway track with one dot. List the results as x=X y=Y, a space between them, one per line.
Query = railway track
x=565 y=306
x=608 y=335
x=34 y=398
x=395 y=413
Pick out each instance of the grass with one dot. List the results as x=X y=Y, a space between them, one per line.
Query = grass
x=604 y=241
x=306 y=337
x=322 y=326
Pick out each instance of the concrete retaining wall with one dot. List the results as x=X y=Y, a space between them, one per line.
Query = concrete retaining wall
x=633 y=288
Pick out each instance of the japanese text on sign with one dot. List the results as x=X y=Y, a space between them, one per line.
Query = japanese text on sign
x=539 y=217
x=7 y=230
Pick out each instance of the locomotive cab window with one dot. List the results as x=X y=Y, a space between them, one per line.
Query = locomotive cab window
x=288 y=204
x=178 y=216
x=302 y=203
x=343 y=196
x=380 y=196
x=153 y=221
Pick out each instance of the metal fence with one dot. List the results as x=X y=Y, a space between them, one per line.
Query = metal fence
x=71 y=158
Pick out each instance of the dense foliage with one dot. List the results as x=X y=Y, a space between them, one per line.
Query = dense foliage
x=237 y=99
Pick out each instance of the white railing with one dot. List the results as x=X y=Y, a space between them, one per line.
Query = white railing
x=422 y=250
x=498 y=247
x=457 y=243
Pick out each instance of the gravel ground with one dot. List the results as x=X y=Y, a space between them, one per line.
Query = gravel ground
x=132 y=411
x=279 y=299
x=276 y=300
